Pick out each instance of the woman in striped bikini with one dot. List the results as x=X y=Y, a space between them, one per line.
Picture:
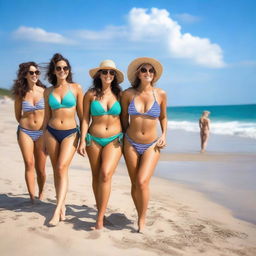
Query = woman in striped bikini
x=142 y=107
x=29 y=111
x=102 y=131
x=63 y=101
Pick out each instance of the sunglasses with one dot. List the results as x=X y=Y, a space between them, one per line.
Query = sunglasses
x=59 y=68
x=37 y=72
x=144 y=70
x=106 y=71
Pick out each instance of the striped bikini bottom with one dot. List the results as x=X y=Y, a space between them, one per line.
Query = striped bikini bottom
x=139 y=147
x=33 y=134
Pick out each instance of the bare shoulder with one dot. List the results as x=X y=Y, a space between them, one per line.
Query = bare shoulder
x=48 y=90
x=160 y=92
x=130 y=92
x=89 y=94
x=76 y=86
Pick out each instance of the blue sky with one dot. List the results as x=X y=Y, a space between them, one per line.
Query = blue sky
x=207 y=47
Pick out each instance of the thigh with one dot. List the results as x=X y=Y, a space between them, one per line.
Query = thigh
x=52 y=147
x=111 y=155
x=40 y=156
x=148 y=163
x=94 y=154
x=26 y=146
x=67 y=150
x=131 y=159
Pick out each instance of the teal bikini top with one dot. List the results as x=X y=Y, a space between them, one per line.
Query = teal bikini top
x=68 y=101
x=96 y=109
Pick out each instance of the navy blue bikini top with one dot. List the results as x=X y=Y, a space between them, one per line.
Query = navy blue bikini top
x=154 y=111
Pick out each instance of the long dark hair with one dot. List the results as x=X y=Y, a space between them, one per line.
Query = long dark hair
x=97 y=86
x=51 y=68
x=20 y=86
x=136 y=83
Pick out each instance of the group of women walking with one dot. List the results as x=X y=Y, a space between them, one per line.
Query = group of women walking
x=112 y=122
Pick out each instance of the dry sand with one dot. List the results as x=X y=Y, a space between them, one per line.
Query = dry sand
x=180 y=221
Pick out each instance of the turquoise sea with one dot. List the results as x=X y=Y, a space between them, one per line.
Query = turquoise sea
x=235 y=120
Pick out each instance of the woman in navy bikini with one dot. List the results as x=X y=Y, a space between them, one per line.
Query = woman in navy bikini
x=29 y=111
x=102 y=132
x=62 y=102
x=142 y=107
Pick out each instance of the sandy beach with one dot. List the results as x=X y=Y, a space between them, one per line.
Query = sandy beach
x=181 y=220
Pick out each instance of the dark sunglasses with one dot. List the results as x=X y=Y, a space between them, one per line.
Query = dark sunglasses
x=37 y=72
x=144 y=70
x=106 y=71
x=59 y=68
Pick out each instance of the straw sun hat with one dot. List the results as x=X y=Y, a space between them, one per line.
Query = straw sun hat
x=108 y=64
x=135 y=65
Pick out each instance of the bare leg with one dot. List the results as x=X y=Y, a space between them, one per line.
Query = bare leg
x=27 y=149
x=204 y=139
x=94 y=155
x=146 y=169
x=132 y=162
x=40 y=159
x=110 y=156
x=66 y=152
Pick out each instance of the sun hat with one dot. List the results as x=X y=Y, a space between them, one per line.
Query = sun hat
x=135 y=64
x=108 y=64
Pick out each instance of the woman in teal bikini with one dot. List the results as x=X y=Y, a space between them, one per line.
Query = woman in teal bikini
x=29 y=111
x=102 y=132
x=143 y=106
x=62 y=102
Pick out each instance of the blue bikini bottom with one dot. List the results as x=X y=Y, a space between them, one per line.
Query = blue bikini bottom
x=33 y=134
x=60 y=135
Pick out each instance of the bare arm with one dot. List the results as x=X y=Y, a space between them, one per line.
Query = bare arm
x=85 y=121
x=124 y=115
x=17 y=108
x=163 y=118
x=79 y=105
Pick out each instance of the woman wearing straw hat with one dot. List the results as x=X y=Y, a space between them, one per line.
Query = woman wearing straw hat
x=101 y=131
x=142 y=107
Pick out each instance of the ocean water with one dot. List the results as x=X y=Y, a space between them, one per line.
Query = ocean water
x=235 y=120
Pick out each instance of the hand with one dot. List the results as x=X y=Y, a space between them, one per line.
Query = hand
x=161 y=142
x=81 y=149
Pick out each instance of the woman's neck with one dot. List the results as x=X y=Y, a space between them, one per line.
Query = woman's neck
x=61 y=82
x=144 y=87
x=106 y=88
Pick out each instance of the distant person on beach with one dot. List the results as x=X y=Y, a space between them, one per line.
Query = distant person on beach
x=63 y=100
x=29 y=111
x=142 y=107
x=101 y=132
x=204 y=124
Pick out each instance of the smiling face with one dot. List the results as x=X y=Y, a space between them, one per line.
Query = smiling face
x=146 y=73
x=107 y=76
x=32 y=75
x=61 y=70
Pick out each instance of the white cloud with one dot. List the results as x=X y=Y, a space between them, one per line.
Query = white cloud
x=158 y=26
x=40 y=35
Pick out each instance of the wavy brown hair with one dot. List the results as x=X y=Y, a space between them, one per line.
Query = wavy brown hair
x=20 y=86
x=52 y=78
x=97 y=86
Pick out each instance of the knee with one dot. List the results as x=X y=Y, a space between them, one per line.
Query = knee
x=105 y=176
x=142 y=183
x=60 y=169
x=29 y=165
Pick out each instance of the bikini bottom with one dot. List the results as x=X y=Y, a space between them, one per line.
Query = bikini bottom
x=33 y=134
x=139 y=147
x=103 y=141
x=60 y=135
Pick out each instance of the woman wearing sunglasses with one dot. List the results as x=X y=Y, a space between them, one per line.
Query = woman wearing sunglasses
x=29 y=111
x=62 y=102
x=142 y=107
x=102 y=131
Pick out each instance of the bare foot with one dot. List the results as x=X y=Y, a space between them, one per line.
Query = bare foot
x=55 y=220
x=41 y=196
x=63 y=213
x=141 y=225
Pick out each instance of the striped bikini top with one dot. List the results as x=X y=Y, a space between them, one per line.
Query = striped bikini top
x=154 y=111
x=68 y=101
x=28 y=107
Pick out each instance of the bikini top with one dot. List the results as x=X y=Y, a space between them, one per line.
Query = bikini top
x=96 y=109
x=68 y=101
x=154 y=111
x=28 y=107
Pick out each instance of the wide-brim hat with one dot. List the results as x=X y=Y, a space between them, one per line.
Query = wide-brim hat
x=135 y=64
x=108 y=64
